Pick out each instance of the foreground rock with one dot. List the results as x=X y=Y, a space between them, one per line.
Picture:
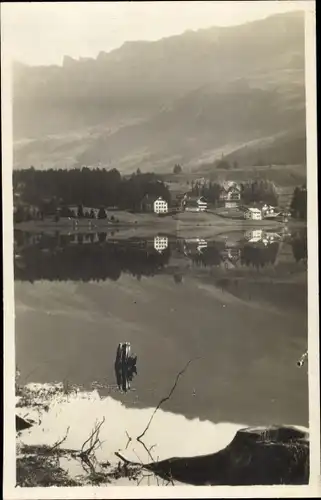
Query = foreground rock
x=256 y=456
x=22 y=423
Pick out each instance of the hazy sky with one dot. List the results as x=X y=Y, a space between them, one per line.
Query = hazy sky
x=42 y=33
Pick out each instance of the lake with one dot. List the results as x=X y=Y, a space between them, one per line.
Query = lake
x=235 y=305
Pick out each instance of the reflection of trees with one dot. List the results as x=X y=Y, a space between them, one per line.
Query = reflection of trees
x=259 y=255
x=57 y=259
x=209 y=256
x=178 y=278
x=300 y=246
x=251 y=255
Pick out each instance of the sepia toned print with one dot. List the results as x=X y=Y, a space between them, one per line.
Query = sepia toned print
x=160 y=196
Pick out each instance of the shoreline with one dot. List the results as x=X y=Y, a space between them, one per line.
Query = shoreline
x=196 y=223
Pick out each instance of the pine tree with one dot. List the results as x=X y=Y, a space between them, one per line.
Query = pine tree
x=102 y=213
x=80 y=212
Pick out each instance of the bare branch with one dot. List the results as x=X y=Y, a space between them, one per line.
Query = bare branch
x=163 y=400
x=58 y=443
x=129 y=440
x=138 y=457
x=146 y=449
x=125 y=460
x=93 y=439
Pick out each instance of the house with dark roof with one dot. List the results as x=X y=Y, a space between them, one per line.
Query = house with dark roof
x=195 y=203
x=230 y=194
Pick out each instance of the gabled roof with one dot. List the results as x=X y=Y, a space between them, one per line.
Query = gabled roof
x=252 y=209
x=196 y=199
x=152 y=198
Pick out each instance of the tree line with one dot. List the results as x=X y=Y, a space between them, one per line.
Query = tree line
x=48 y=190
x=298 y=205
x=52 y=192
x=263 y=191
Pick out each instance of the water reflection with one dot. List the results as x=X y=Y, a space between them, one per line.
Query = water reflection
x=125 y=366
x=169 y=435
x=96 y=256
x=86 y=258
x=237 y=301
x=299 y=246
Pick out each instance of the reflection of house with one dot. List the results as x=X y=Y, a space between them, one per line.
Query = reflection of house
x=201 y=244
x=254 y=236
x=232 y=254
x=230 y=194
x=259 y=235
x=269 y=238
x=160 y=243
x=253 y=214
x=154 y=204
x=195 y=204
x=192 y=245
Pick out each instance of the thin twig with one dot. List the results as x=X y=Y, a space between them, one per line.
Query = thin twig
x=138 y=457
x=58 y=443
x=146 y=449
x=163 y=400
x=95 y=433
x=139 y=480
x=129 y=440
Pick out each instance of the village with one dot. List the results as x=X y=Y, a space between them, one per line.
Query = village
x=229 y=204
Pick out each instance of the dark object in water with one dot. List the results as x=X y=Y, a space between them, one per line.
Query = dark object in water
x=22 y=424
x=301 y=361
x=125 y=366
x=256 y=456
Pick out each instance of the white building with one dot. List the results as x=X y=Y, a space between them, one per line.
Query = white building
x=160 y=206
x=160 y=243
x=253 y=214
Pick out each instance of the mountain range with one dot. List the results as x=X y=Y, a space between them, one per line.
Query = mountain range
x=188 y=99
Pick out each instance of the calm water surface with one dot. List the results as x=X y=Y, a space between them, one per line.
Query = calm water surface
x=235 y=304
